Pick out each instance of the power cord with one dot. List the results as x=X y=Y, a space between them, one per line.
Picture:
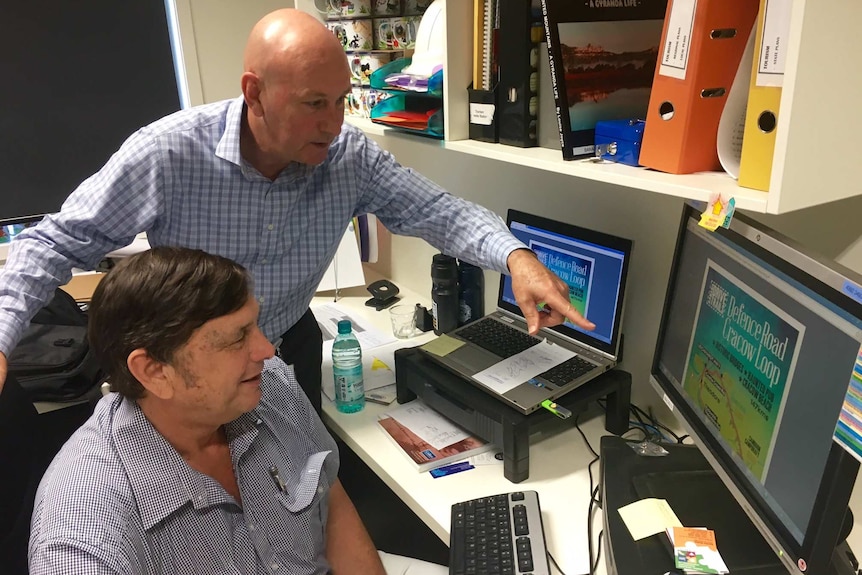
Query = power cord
x=594 y=502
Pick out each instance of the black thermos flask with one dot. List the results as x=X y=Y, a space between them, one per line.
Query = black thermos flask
x=444 y=293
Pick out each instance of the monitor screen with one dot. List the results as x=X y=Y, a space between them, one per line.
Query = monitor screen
x=757 y=349
x=80 y=77
x=593 y=265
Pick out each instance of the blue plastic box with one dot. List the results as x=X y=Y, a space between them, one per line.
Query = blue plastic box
x=619 y=140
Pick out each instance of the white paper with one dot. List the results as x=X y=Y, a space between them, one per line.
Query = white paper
x=429 y=425
x=328 y=315
x=773 y=47
x=345 y=270
x=731 y=126
x=486 y=458
x=481 y=114
x=674 y=58
x=517 y=369
x=376 y=374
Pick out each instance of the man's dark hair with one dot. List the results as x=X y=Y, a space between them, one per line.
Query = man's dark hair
x=154 y=301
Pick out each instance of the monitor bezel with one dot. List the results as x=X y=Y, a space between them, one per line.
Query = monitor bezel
x=831 y=502
x=616 y=243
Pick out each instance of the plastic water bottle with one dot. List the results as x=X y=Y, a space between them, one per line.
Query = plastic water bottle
x=347 y=370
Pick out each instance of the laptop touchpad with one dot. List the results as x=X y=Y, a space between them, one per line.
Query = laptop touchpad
x=472 y=359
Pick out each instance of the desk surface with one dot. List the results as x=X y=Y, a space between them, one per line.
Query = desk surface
x=558 y=465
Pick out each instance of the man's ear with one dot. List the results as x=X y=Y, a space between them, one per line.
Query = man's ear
x=251 y=87
x=151 y=374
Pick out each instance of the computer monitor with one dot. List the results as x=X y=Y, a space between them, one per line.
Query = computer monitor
x=758 y=355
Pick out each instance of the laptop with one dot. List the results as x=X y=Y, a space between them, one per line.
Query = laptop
x=594 y=265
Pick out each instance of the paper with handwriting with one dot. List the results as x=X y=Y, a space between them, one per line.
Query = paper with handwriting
x=513 y=371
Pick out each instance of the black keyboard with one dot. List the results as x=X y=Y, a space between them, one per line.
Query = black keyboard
x=501 y=534
x=497 y=337
x=569 y=370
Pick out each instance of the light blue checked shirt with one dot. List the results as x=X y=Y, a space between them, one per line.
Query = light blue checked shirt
x=119 y=499
x=183 y=181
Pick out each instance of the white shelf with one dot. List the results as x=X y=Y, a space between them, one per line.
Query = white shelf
x=694 y=186
x=816 y=154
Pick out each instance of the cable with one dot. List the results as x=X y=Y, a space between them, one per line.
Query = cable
x=638 y=411
x=598 y=553
x=556 y=565
x=590 y=529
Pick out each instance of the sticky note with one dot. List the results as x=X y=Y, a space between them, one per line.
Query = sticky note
x=443 y=345
x=648 y=517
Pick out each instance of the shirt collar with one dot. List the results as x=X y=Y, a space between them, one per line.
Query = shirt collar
x=228 y=145
x=161 y=481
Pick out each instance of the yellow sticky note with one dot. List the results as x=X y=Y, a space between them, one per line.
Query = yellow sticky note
x=377 y=364
x=443 y=345
x=648 y=517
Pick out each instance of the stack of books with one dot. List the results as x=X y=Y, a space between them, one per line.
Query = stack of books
x=428 y=439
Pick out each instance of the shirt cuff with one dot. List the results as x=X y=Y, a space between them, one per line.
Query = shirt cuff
x=505 y=247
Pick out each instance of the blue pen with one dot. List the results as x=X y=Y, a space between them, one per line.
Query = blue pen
x=450 y=469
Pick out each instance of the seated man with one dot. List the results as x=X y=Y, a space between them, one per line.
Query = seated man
x=208 y=458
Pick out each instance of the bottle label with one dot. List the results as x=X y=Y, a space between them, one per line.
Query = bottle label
x=349 y=387
x=434 y=314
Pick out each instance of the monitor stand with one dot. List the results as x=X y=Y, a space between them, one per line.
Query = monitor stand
x=697 y=496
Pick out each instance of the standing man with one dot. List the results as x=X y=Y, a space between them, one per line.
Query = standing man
x=207 y=458
x=271 y=180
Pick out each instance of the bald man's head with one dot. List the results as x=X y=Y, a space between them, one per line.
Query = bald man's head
x=287 y=40
x=295 y=80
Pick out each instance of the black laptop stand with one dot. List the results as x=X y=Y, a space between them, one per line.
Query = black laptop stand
x=494 y=421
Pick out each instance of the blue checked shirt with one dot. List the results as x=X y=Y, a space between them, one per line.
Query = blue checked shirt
x=119 y=499
x=183 y=181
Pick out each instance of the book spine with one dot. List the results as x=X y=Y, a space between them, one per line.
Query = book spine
x=557 y=81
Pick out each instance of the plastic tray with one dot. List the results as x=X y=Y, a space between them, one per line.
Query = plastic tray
x=378 y=79
x=401 y=102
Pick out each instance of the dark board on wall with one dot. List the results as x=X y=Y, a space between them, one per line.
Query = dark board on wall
x=77 y=79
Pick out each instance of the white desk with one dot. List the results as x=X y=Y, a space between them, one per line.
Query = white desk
x=558 y=465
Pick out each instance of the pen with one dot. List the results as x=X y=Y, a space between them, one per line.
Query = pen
x=273 y=472
x=557 y=410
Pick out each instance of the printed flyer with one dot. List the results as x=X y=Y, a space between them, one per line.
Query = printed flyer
x=574 y=269
x=740 y=365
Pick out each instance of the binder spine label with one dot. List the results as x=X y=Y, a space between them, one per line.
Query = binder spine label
x=773 y=48
x=674 y=58
x=481 y=114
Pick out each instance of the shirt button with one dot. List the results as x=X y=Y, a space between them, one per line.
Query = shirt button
x=274 y=566
x=252 y=527
x=270 y=227
x=260 y=299
x=264 y=260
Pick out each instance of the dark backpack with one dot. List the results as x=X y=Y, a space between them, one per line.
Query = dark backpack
x=53 y=361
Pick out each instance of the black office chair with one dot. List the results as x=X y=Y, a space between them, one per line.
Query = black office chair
x=21 y=455
x=28 y=443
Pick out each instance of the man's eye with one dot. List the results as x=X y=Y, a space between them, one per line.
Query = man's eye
x=317 y=104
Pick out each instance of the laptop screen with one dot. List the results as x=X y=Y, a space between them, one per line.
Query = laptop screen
x=593 y=264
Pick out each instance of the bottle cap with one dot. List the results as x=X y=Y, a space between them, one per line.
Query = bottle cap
x=444 y=268
x=344 y=326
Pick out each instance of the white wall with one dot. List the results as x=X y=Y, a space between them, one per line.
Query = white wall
x=219 y=29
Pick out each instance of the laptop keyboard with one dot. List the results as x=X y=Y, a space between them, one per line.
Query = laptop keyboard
x=569 y=370
x=497 y=337
x=501 y=534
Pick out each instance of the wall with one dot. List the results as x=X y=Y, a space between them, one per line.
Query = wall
x=219 y=29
